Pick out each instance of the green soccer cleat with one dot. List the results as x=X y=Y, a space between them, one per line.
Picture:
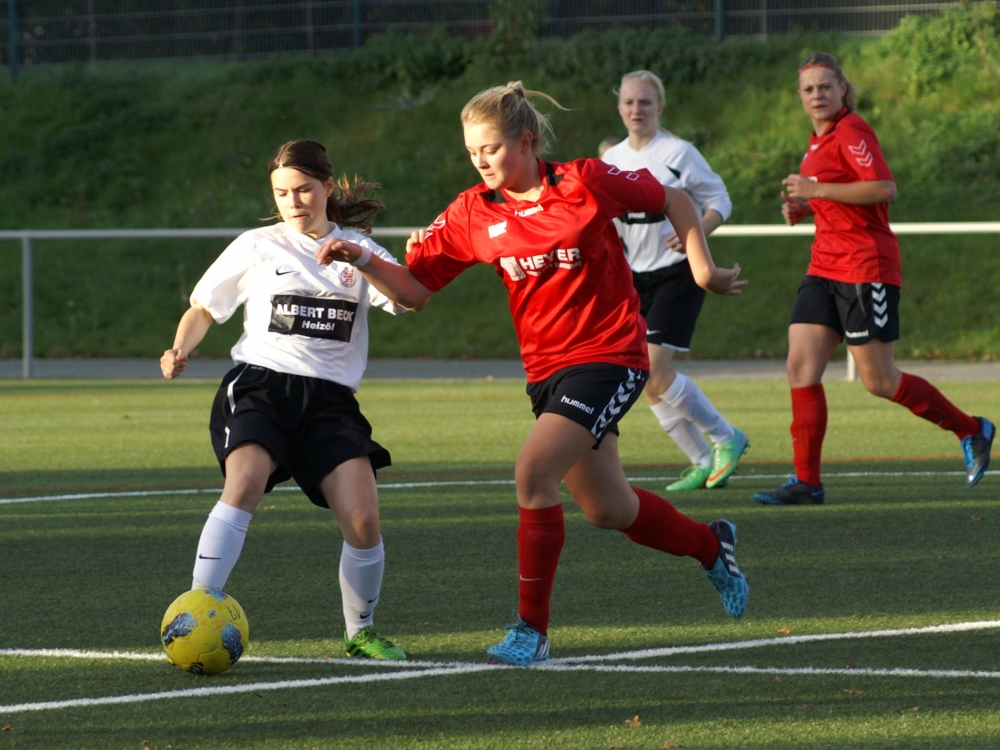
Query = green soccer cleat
x=726 y=459
x=692 y=478
x=369 y=644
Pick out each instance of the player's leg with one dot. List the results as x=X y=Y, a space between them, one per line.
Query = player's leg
x=351 y=493
x=688 y=437
x=878 y=371
x=553 y=446
x=810 y=347
x=248 y=468
x=680 y=407
x=598 y=485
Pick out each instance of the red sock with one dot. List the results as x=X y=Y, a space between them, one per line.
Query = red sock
x=926 y=401
x=661 y=526
x=540 y=537
x=808 y=430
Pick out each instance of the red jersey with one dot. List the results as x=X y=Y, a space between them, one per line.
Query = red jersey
x=853 y=243
x=570 y=287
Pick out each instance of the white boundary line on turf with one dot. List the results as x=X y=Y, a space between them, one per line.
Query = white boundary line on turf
x=458 y=483
x=556 y=665
x=789 y=640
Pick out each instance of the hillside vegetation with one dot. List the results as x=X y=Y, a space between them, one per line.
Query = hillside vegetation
x=187 y=144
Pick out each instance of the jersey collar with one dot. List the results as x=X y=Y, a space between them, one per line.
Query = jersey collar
x=547 y=174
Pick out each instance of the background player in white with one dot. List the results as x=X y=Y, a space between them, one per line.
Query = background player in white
x=670 y=298
x=287 y=410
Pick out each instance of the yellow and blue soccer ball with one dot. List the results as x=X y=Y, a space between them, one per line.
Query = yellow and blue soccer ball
x=204 y=631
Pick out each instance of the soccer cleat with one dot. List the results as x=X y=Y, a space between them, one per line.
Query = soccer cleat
x=726 y=575
x=692 y=478
x=369 y=644
x=976 y=449
x=726 y=459
x=523 y=645
x=793 y=492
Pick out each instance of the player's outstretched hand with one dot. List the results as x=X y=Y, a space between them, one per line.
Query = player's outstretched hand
x=727 y=281
x=173 y=363
x=415 y=238
x=335 y=249
x=794 y=210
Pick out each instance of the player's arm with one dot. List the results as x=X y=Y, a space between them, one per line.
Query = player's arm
x=393 y=280
x=682 y=214
x=862 y=193
x=190 y=331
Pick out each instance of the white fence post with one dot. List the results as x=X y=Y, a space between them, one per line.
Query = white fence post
x=28 y=307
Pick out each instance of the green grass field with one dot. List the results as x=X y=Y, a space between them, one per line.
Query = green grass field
x=817 y=662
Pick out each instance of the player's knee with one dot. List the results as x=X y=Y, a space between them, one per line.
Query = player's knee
x=602 y=518
x=879 y=385
x=365 y=525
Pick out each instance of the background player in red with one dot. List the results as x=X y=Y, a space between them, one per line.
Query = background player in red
x=851 y=289
x=547 y=230
x=670 y=300
x=287 y=410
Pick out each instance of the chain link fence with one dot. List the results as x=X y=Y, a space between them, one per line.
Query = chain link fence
x=92 y=31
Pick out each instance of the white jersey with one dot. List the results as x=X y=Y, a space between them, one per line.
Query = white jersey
x=677 y=164
x=299 y=317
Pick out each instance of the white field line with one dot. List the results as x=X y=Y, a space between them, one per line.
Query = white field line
x=458 y=483
x=580 y=663
x=789 y=640
x=252 y=687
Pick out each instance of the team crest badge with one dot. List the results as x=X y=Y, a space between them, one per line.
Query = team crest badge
x=348 y=277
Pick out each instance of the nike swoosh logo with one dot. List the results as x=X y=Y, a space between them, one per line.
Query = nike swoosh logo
x=720 y=472
x=202 y=557
x=529 y=579
x=282 y=273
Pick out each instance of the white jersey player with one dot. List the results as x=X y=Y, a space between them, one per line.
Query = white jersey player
x=287 y=409
x=670 y=299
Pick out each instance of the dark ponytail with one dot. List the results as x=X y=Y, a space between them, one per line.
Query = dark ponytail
x=348 y=204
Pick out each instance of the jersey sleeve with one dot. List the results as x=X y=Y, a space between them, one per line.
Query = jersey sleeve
x=375 y=297
x=860 y=152
x=446 y=250
x=705 y=187
x=618 y=191
x=222 y=288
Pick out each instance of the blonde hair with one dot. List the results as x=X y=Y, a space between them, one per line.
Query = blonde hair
x=508 y=109
x=650 y=79
x=647 y=77
x=603 y=146
x=823 y=60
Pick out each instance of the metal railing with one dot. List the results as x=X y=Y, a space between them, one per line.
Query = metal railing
x=28 y=236
x=91 y=31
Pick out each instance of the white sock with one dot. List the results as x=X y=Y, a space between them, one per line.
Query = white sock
x=694 y=405
x=220 y=546
x=683 y=432
x=360 y=584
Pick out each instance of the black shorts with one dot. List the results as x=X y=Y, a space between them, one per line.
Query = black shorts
x=670 y=301
x=309 y=425
x=858 y=312
x=595 y=396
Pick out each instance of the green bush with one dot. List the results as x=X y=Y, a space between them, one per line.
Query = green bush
x=177 y=145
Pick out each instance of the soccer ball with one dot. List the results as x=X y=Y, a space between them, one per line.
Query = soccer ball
x=204 y=631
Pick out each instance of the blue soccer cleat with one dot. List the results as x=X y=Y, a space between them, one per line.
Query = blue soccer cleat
x=726 y=575
x=976 y=449
x=523 y=645
x=793 y=492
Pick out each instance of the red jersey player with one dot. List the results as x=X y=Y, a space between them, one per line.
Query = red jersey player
x=547 y=229
x=851 y=290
